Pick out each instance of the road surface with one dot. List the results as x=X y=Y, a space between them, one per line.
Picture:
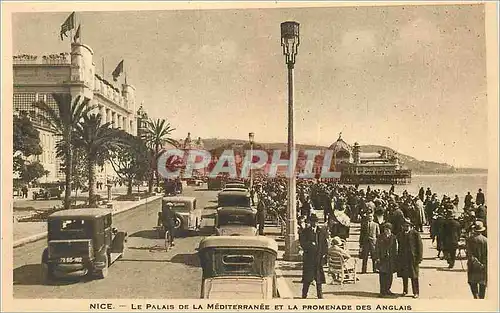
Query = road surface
x=146 y=271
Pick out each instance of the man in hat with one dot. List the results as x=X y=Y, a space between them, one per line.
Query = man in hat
x=168 y=221
x=410 y=251
x=261 y=215
x=367 y=241
x=480 y=197
x=313 y=240
x=385 y=259
x=451 y=231
x=468 y=200
x=477 y=261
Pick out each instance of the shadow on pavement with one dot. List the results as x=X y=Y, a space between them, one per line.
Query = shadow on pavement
x=364 y=294
x=202 y=189
x=30 y=274
x=148 y=234
x=445 y=269
x=187 y=259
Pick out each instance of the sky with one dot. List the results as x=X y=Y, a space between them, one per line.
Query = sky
x=409 y=77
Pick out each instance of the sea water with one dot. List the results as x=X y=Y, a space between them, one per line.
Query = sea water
x=442 y=184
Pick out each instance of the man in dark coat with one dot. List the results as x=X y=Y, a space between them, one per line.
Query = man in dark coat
x=261 y=215
x=451 y=231
x=477 y=261
x=421 y=193
x=397 y=219
x=385 y=259
x=367 y=241
x=468 y=200
x=313 y=240
x=480 y=197
x=410 y=253
x=168 y=220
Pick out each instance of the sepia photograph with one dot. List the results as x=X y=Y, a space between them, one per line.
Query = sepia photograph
x=333 y=156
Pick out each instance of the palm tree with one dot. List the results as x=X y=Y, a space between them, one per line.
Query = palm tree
x=97 y=140
x=156 y=136
x=63 y=119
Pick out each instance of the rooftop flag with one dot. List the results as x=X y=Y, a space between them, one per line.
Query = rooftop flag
x=68 y=25
x=118 y=71
x=77 y=34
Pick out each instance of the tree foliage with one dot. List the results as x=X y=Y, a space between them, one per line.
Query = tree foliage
x=98 y=140
x=158 y=133
x=31 y=172
x=131 y=161
x=26 y=141
x=63 y=120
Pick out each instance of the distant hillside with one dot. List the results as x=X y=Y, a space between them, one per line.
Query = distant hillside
x=417 y=166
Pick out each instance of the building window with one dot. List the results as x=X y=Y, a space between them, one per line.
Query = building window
x=23 y=103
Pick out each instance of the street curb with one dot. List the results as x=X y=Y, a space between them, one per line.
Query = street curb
x=39 y=236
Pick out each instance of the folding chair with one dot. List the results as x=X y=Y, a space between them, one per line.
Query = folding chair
x=340 y=271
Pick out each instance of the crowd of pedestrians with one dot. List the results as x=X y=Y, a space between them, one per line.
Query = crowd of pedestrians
x=391 y=227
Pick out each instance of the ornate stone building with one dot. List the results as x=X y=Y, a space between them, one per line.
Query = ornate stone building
x=36 y=78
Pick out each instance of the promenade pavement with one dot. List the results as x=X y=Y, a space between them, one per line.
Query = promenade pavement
x=436 y=280
x=25 y=232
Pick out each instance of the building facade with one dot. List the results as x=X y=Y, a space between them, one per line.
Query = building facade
x=367 y=167
x=37 y=78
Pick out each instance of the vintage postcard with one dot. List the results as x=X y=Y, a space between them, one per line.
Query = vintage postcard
x=250 y=156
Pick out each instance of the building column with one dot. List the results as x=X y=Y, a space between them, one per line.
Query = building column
x=113 y=119
x=103 y=113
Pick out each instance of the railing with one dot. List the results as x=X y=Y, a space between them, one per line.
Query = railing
x=51 y=59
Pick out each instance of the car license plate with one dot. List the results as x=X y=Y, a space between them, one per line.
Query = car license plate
x=70 y=260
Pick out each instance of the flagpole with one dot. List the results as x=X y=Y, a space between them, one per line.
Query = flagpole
x=103 y=68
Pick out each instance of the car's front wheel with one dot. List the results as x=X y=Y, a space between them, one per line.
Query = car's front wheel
x=47 y=273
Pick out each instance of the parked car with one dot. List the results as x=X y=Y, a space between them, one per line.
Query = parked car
x=239 y=267
x=48 y=191
x=194 y=182
x=187 y=215
x=236 y=221
x=81 y=242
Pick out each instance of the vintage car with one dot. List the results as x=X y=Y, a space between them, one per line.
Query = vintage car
x=236 y=221
x=239 y=267
x=187 y=217
x=235 y=185
x=48 y=191
x=81 y=242
x=194 y=182
x=238 y=197
x=172 y=187
x=215 y=183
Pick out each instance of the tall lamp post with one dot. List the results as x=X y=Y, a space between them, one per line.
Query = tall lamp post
x=251 y=140
x=290 y=43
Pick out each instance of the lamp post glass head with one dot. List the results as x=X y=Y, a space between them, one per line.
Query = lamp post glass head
x=290 y=40
x=250 y=137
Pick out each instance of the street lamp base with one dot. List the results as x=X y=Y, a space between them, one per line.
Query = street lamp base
x=292 y=249
x=292 y=257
